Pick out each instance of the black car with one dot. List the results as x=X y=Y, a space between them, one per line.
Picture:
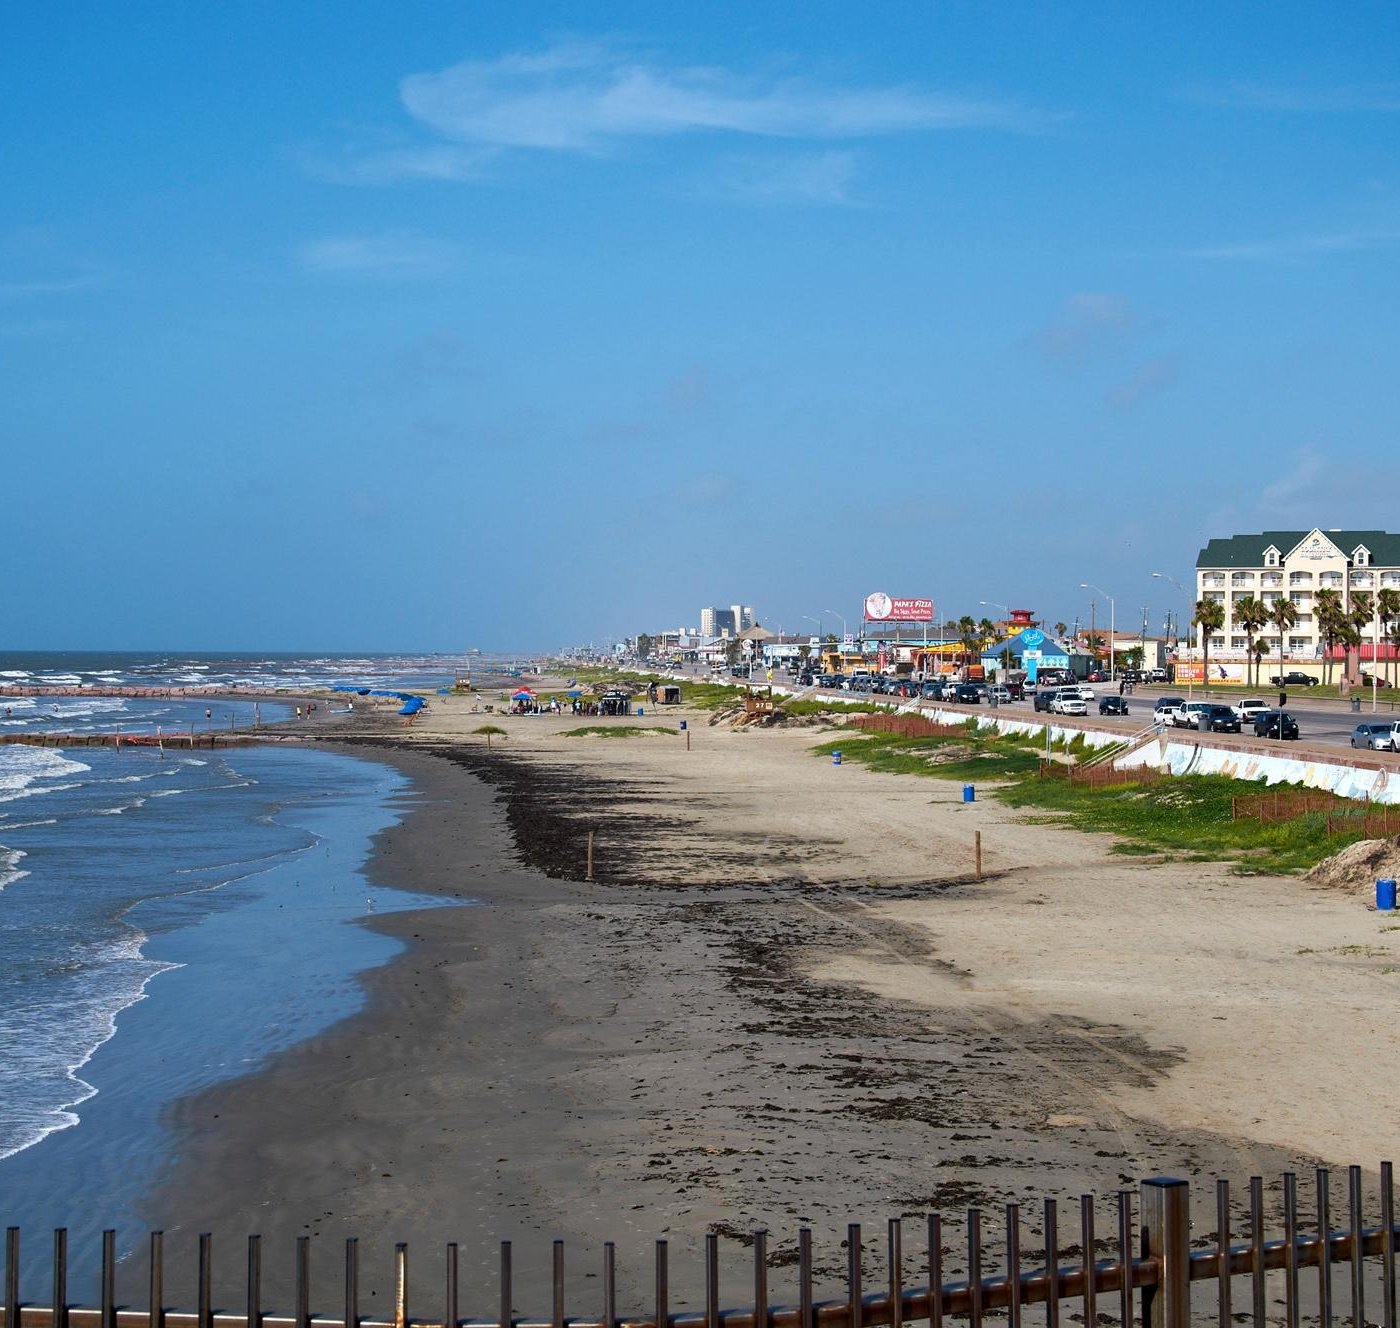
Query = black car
x=1294 y=679
x=966 y=691
x=1111 y=705
x=1222 y=719
x=1275 y=724
x=1043 y=697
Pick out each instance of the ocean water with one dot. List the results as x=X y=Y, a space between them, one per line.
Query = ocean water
x=166 y=922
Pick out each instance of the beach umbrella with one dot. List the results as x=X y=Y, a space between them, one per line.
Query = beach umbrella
x=575 y=692
x=524 y=694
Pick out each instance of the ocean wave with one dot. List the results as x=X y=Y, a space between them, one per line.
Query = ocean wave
x=10 y=870
x=124 y=806
x=41 y=1083
x=22 y=767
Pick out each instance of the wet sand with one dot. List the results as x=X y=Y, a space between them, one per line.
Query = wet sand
x=783 y=1002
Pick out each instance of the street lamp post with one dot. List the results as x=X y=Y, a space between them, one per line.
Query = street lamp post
x=834 y=614
x=1112 y=622
x=992 y=604
x=1162 y=576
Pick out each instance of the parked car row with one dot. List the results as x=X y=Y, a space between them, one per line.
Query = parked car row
x=1178 y=712
x=1377 y=737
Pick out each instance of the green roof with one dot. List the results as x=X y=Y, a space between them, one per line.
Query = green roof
x=1248 y=550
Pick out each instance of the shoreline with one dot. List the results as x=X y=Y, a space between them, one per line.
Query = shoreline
x=630 y=1058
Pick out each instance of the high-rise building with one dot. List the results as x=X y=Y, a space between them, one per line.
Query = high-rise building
x=717 y=622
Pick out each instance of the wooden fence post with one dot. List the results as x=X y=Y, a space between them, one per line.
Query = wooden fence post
x=1166 y=1239
x=978 y=842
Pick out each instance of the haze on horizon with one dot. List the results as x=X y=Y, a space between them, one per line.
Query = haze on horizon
x=355 y=327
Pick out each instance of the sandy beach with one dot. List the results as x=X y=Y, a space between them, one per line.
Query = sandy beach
x=784 y=1000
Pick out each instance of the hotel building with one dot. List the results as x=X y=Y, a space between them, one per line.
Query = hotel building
x=1295 y=563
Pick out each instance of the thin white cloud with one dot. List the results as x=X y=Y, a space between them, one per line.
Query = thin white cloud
x=35 y=263
x=804 y=178
x=1350 y=98
x=390 y=254
x=581 y=97
x=1156 y=375
x=1298 y=248
x=1088 y=324
x=386 y=165
x=593 y=97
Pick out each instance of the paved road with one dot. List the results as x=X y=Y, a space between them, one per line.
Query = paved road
x=1322 y=722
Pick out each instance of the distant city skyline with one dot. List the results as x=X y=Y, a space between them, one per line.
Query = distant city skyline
x=514 y=326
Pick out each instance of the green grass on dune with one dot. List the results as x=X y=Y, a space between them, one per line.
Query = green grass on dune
x=1186 y=818
x=617 y=731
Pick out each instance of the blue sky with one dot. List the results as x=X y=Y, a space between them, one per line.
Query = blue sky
x=353 y=326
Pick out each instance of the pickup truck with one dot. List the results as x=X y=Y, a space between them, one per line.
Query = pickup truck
x=1293 y=679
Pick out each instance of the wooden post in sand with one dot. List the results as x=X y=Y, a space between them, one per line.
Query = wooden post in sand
x=687 y=739
x=978 y=845
x=588 y=875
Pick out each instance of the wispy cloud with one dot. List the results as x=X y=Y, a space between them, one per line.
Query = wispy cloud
x=582 y=97
x=804 y=178
x=1348 y=98
x=1157 y=374
x=1299 y=248
x=591 y=98
x=386 y=164
x=390 y=254
x=34 y=263
x=1088 y=324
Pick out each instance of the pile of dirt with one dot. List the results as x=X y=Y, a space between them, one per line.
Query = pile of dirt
x=1359 y=865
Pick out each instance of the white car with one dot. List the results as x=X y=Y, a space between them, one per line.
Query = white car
x=1070 y=705
x=1186 y=715
x=1246 y=710
x=1164 y=709
x=1086 y=693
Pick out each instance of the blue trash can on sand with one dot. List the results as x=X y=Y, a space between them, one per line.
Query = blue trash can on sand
x=1385 y=894
x=835 y=758
x=969 y=793
x=682 y=726
x=641 y=710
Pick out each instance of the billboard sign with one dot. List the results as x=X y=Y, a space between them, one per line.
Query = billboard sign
x=880 y=607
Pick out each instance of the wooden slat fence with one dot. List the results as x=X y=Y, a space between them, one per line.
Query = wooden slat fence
x=1284 y=804
x=1369 y=822
x=1099 y=776
x=907 y=726
x=1153 y=1260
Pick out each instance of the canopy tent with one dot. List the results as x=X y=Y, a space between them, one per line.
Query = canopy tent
x=413 y=705
x=573 y=692
x=524 y=694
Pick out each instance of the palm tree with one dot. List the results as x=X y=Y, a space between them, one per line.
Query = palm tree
x=1327 y=607
x=1251 y=614
x=967 y=633
x=1358 y=618
x=987 y=631
x=1388 y=606
x=1210 y=617
x=1061 y=629
x=1283 y=615
x=1261 y=648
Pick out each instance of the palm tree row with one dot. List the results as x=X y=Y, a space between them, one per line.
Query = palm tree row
x=1339 y=625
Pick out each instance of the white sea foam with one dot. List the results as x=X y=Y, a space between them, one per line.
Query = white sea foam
x=124 y=807
x=22 y=769
x=120 y=975
x=10 y=870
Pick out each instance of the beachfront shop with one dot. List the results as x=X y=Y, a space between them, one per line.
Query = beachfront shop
x=1030 y=650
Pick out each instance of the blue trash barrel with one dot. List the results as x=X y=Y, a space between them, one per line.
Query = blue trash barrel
x=641 y=710
x=835 y=758
x=682 y=726
x=1385 y=894
x=969 y=793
